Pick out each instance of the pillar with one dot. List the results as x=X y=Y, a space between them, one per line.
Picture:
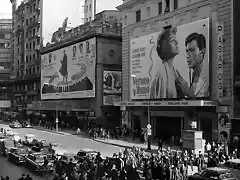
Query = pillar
x=171 y=5
x=163 y=6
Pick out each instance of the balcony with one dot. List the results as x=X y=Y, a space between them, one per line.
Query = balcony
x=34 y=24
x=37 y=10
x=19 y=30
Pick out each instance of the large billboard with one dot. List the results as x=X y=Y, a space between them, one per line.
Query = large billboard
x=69 y=72
x=224 y=127
x=112 y=87
x=171 y=63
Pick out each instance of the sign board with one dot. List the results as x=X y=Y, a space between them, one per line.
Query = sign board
x=220 y=32
x=167 y=103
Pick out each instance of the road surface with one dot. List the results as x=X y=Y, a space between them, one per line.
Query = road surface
x=70 y=142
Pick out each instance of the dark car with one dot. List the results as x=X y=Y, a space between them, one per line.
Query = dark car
x=83 y=153
x=17 y=155
x=213 y=173
x=34 y=162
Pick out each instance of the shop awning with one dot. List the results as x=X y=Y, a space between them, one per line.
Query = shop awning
x=192 y=103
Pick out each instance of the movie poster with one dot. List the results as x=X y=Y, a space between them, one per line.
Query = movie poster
x=224 y=126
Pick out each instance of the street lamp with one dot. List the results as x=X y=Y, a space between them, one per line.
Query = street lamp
x=56 y=115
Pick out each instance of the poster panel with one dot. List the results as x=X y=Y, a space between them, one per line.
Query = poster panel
x=223 y=128
x=112 y=87
x=69 y=72
x=172 y=63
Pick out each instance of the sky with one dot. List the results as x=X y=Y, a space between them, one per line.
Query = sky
x=5 y=9
x=55 y=11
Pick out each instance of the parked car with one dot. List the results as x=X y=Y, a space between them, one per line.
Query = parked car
x=28 y=139
x=15 y=125
x=83 y=153
x=56 y=149
x=213 y=173
x=17 y=155
x=34 y=162
x=234 y=166
x=27 y=125
x=5 y=146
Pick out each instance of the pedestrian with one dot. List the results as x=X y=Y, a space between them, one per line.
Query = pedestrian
x=78 y=131
x=28 y=177
x=23 y=177
x=7 y=178
x=2 y=178
x=160 y=144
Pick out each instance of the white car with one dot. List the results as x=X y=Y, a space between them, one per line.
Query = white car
x=28 y=139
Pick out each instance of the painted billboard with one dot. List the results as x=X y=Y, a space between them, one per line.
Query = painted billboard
x=224 y=127
x=172 y=63
x=112 y=87
x=69 y=72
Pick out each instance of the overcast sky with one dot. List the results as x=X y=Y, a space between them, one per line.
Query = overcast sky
x=5 y=9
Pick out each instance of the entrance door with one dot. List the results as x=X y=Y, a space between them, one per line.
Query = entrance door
x=136 y=123
x=166 y=127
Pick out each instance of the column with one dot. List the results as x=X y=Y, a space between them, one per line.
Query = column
x=163 y=6
x=171 y=5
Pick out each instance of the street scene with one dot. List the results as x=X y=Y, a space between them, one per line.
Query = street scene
x=119 y=90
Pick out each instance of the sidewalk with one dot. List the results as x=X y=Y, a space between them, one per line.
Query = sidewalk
x=129 y=143
x=66 y=132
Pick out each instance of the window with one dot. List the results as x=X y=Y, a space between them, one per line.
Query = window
x=138 y=15
x=34 y=18
x=167 y=9
x=30 y=33
x=125 y=19
x=18 y=40
x=90 y=7
x=26 y=22
x=26 y=71
x=2 y=36
x=30 y=71
x=26 y=59
x=86 y=9
x=90 y=18
x=27 y=46
x=30 y=46
x=168 y=27
x=148 y=12
x=30 y=10
x=34 y=56
x=34 y=45
x=26 y=34
x=18 y=51
x=30 y=58
x=34 y=32
x=33 y=70
x=7 y=45
x=23 y=22
x=38 y=69
x=30 y=20
x=34 y=6
x=160 y=8
x=175 y=4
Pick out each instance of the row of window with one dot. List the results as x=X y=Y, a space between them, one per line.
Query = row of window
x=5 y=54
x=5 y=45
x=88 y=8
x=27 y=87
x=29 y=9
x=166 y=9
x=30 y=71
x=5 y=35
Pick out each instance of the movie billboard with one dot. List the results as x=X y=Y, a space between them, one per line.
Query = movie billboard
x=112 y=87
x=224 y=126
x=172 y=63
x=69 y=72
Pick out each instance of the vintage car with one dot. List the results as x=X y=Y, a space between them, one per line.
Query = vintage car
x=5 y=146
x=56 y=149
x=26 y=125
x=234 y=166
x=15 y=125
x=28 y=139
x=17 y=155
x=6 y=130
x=213 y=173
x=34 y=162
x=83 y=153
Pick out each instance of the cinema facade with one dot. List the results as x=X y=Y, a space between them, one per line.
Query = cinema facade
x=173 y=73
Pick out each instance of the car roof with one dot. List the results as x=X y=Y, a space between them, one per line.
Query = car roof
x=218 y=170
x=30 y=135
x=87 y=150
x=237 y=161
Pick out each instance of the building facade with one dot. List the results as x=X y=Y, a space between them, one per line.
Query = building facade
x=5 y=63
x=25 y=50
x=167 y=81
x=81 y=73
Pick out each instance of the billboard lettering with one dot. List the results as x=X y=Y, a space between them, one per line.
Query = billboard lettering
x=112 y=87
x=69 y=72
x=172 y=63
x=220 y=32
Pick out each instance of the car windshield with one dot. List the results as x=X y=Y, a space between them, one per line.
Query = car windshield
x=21 y=151
x=226 y=176
x=9 y=143
x=40 y=158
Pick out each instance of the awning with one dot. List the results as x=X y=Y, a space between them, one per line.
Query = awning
x=193 y=103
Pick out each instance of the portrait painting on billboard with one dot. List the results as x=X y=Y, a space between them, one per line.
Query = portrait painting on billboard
x=172 y=63
x=223 y=128
x=69 y=72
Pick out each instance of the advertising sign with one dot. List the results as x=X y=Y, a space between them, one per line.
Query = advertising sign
x=220 y=32
x=223 y=128
x=172 y=63
x=69 y=72
x=112 y=87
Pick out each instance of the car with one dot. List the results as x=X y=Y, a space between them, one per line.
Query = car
x=56 y=149
x=34 y=162
x=213 y=173
x=83 y=153
x=234 y=166
x=17 y=155
x=27 y=125
x=28 y=139
x=15 y=125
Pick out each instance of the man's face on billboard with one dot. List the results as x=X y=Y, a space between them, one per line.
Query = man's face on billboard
x=193 y=54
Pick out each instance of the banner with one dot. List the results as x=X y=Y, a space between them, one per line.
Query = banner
x=69 y=72
x=220 y=32
x=171 y=63
x=112 y=87
x=166 y=103
x=223 y=128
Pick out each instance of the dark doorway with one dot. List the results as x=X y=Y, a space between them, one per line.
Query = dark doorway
x=166 y=127
x=206 y=128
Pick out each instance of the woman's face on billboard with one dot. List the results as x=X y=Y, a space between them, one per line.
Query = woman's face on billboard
x=173 y=44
